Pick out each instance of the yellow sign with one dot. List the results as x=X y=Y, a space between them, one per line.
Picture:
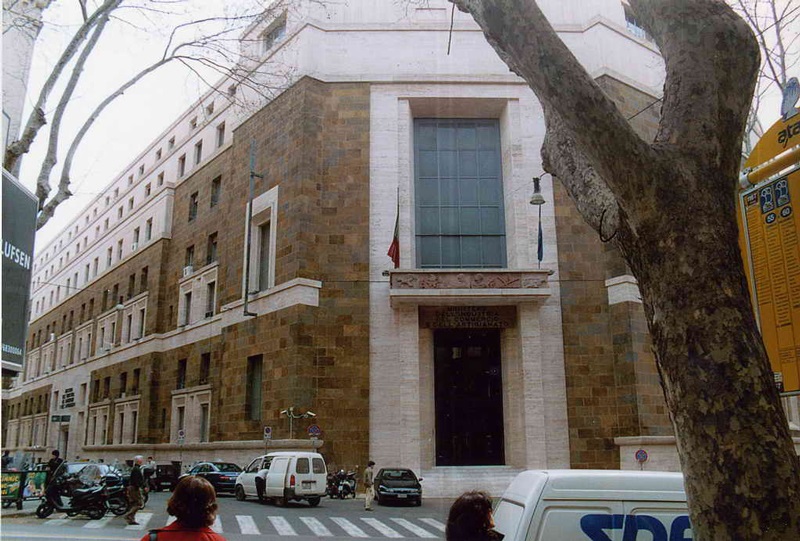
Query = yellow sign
x=770 y=243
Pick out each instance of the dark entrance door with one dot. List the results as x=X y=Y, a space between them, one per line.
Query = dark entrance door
x=469 y=397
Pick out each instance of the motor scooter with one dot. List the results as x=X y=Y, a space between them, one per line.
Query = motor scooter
x=346 y=486
x=90 y=501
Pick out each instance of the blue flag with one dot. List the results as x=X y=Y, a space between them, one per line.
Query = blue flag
x=540 y=249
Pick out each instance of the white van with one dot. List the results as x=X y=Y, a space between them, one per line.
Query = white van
x=594 y=505
x=282 y=476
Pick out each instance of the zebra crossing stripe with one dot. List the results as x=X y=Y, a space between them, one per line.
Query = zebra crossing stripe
x=317 y=527
x=433 y=522
x=217 y=526
x=381 y=527
x=351 y=529
x=95 y=524
x=142 y=518
x=282 y=526
x=413 y=528
x=170 y=520
x=57 y=521
x=247 y=525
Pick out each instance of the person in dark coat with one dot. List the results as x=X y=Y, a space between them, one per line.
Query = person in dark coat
x=135 y=486
x=53 y=464
x=470 y=519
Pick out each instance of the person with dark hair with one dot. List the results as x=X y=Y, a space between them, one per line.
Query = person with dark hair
x=194 y=505
x=470 y=519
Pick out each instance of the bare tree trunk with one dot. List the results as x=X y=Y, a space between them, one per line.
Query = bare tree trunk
x=674 y=222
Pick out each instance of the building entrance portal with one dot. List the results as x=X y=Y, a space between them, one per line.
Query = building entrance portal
x=469 y=397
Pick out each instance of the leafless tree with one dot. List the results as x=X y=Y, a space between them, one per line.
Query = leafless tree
x=775 y=24
x=207 y=45
x=671 y=205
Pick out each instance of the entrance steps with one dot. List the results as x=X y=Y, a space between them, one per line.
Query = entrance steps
x=452 y=481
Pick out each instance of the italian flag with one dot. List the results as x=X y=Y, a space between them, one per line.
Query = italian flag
x=394 y=248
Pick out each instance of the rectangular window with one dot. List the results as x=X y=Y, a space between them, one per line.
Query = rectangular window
x=180 y=380
x=181 y=166
x=263 y=256
x=143 y=281
x=253 y=397
x=105 y=224
x=193 y=123
x=136 y=238
x=198 y=152
x=147 y=189
x=210 y=108
x=148 y=229
x=119 y=213
x=187 y=307
x=137 y=374
x=158 y=154
x=106 y=387
x=211 y=294
x=95 y=266
x=129 y=325
x=135 y=424
x=460 y=219
x=274 y=35
x=119 y=250
x=141 y=170
x=220 y=135
x=193 y=206
x=171 y=143
x=181 y=417
x=141 y=323
x=160 y=178
x=211 y=248
x=205 y=368
x=123 y=384
x=109 y=256
x=86 y=273
x=130 y=203
x=216 y=189
x=131 y=285
x=189 y=259
x=130 y=180
x=203 y=422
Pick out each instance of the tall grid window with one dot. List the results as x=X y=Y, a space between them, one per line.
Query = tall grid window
x=253 y=397
x=460 y=220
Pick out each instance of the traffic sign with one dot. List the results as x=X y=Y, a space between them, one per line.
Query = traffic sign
x=59 y=418
x=641 y=456
x=267 y=432
x=314 y=431
x=181 y=434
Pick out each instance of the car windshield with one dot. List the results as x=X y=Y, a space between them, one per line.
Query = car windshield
x=226 y=467
x=399 y=475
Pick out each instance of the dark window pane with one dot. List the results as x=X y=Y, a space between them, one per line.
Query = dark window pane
x=428 y=164
x=426 y=136
x=451 y=251
x=471 y=252
x=489 y=163
x=430 y=251
x=467 y=163
x=447 y=137
x=494 y=249
x=468 y=188
x=450 y=221
x=428 y=191
x=467 y=136
x=448 y=164
x=449 y=191
x=470 y=221
x=429 y=221
x=491 y=221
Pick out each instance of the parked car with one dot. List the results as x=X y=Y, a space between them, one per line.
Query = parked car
x=282 y=476
x=397 y=485
x=165 y=476
x=221 y=475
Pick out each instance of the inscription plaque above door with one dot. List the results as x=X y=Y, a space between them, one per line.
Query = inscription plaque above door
x=467 y=317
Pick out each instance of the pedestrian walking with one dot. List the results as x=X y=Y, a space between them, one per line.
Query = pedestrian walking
x=369 y=487
x=52 y=465
x=135 y=485
x=470 y=519
x=194 y=506
x=6 y=460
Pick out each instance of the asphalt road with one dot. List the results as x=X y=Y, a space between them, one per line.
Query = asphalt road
x=332 y=519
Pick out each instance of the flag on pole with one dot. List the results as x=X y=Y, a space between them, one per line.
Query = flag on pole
x=394 y=248
x=540 y=247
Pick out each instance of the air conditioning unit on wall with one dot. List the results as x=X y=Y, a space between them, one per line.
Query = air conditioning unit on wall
x=187 y=270
x=134 y=246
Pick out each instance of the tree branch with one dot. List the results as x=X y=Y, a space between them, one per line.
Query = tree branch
x=51 y=157
x=37 y=118
x=708 y=93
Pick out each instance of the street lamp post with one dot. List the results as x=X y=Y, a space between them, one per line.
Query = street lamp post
x=289 y=412
x=537 y=200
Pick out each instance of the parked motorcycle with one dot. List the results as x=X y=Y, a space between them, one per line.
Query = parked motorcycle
x=346 y=484
x=87 y=500
x=116 y=499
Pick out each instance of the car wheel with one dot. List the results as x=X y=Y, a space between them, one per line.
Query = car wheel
x=44 y=510
x=313 y=502
x=239 y=493
x=418 y=503
x=96 y=513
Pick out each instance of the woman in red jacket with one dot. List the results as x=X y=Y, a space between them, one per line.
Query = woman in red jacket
x=194 y=505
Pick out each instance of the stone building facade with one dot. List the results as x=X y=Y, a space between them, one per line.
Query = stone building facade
x=159 y=332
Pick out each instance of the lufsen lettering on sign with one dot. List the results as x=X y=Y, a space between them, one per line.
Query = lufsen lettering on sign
x=16 y=255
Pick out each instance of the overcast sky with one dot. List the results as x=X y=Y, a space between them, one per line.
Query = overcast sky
x=135 y=119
